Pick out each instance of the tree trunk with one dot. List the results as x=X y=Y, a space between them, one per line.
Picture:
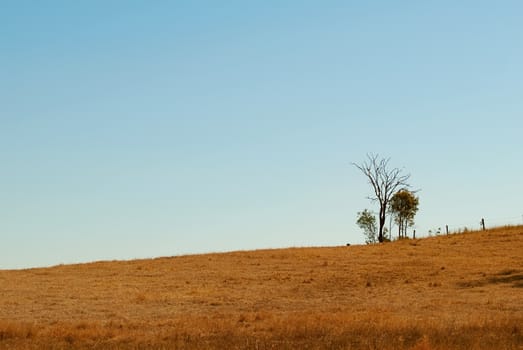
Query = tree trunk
x=382 y=222
x=380 y=235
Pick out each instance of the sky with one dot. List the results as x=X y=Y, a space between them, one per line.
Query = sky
x=138 y=129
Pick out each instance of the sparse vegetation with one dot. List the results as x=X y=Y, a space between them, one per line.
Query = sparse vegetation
x=384 y=182
x=403 y=207
x=436 y=232
x=367 y=222
x=444 y=292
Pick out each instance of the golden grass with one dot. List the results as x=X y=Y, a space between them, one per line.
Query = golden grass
x=462 y=291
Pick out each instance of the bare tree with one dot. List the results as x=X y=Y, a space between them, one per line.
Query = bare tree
x=384 y=182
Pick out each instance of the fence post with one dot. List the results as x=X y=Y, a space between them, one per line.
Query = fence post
x=414 y=235
x=447 y=229
x=483 y=223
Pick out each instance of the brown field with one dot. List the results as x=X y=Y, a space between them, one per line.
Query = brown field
x=463 y=291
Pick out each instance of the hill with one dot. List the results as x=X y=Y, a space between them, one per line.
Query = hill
x=462 y=291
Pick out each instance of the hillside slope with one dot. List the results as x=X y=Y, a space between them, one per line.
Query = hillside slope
x=461 y=291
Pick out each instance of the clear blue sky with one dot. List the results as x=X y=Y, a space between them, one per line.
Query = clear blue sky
x=133 y=129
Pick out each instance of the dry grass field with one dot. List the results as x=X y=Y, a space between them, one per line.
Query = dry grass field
x=463 y=291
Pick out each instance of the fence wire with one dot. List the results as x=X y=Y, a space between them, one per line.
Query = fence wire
x=471 y=225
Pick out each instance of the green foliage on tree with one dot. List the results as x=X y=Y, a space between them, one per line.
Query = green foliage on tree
x=385 y=182
x=367 y=222
x=403 y=206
